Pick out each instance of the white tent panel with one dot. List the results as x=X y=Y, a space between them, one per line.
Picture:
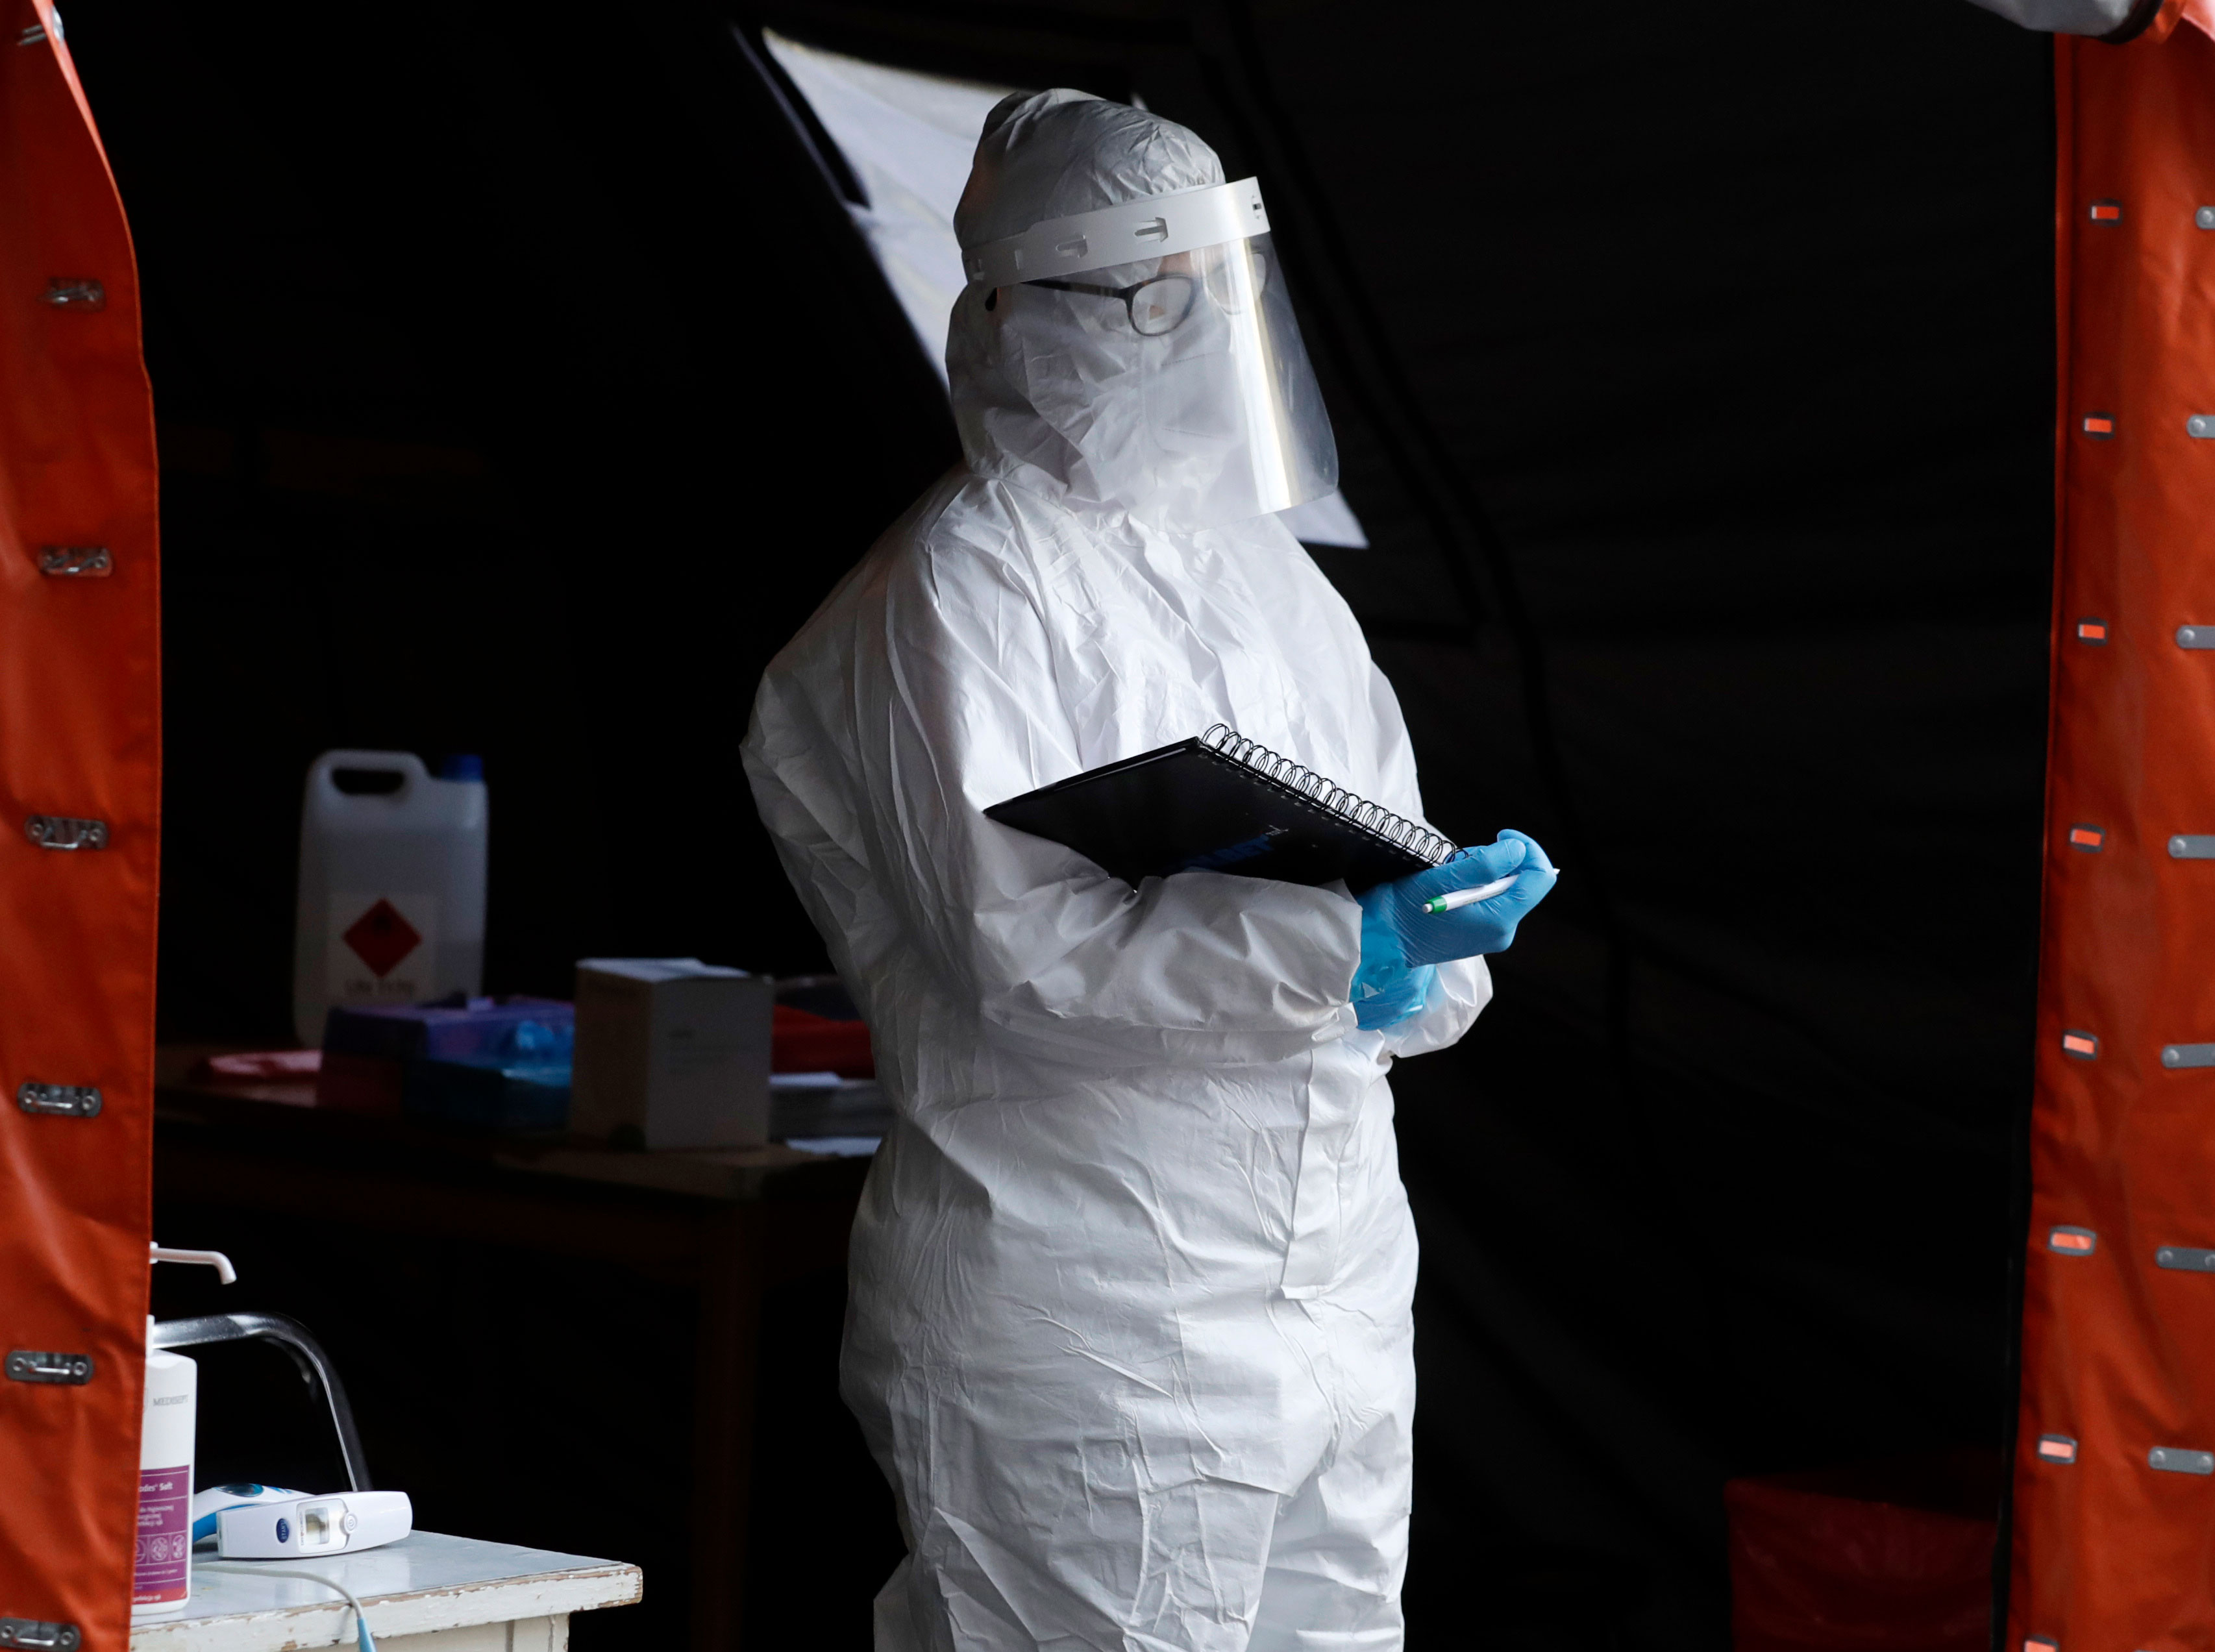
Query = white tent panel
x=908 y=139
x=2065 y=16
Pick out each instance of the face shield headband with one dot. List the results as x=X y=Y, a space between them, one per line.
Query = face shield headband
x=1189 y=391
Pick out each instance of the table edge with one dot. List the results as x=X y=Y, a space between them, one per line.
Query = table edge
x=414 y=1611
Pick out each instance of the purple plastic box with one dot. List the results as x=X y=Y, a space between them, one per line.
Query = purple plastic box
x=449 y=1031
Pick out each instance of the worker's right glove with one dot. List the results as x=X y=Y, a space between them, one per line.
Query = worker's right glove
x=1387 y=988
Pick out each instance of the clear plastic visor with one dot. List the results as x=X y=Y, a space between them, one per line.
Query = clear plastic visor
x=1229 y=394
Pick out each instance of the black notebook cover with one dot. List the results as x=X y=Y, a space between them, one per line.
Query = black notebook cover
x=1192 y=806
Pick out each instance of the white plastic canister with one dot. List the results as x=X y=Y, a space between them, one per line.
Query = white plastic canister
x=392 y=886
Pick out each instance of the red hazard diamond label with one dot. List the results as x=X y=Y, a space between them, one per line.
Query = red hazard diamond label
x=381 y=938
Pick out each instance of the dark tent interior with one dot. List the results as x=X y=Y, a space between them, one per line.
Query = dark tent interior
x=522 y=385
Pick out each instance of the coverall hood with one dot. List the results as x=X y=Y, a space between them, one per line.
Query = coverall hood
x=1055 y=390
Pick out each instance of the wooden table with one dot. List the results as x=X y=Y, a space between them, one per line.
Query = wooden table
x=724 y=1226
x=423 y=1594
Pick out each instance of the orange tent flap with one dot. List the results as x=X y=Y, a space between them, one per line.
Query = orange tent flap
x=2115 y=1467
x=80 y=778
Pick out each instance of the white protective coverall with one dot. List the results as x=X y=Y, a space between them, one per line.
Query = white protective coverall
x=1129 y=1323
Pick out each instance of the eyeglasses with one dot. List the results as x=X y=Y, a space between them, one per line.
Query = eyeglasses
x=1156 y=306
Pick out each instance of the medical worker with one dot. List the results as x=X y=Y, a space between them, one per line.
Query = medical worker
x=1129 y=1324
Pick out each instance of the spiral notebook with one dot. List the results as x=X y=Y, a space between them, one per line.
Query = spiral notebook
x=1221 y=803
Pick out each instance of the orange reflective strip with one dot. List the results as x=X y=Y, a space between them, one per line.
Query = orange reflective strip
x=2107 y=212
x=2087 y=836
x=2099 y=424
x=2080 y=1043
x=2062 y=1239
x=2092 y=630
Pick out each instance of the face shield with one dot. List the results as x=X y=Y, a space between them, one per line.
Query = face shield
x=1157 y=337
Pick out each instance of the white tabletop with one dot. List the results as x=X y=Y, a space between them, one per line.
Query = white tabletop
x=422 y=1583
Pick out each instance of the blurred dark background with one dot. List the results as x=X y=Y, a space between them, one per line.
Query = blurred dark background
x=521 y=387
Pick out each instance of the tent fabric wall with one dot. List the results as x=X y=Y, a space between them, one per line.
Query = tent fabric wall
x=2114 y=1501
x=80 y=740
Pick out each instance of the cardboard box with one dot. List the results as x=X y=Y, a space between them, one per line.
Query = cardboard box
x=671 y=1053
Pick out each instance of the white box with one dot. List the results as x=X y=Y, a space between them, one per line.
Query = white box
x=671 y=1053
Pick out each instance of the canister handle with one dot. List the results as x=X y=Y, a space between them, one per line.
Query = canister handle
x=406 y=764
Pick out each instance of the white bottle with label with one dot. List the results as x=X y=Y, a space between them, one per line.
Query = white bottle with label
x=392 y=884
x=162 y=1561
x=161 y=1565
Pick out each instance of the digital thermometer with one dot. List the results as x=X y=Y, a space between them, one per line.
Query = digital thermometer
x=254 y=1522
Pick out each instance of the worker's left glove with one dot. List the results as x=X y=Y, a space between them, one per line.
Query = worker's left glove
x=1401 y=941
x=1432 y=938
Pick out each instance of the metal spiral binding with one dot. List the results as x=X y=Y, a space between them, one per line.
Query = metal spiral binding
x=1418 y=840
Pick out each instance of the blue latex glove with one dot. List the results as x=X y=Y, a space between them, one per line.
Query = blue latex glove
x=1400 y=942
x=1487 y=926
x=1387 y=988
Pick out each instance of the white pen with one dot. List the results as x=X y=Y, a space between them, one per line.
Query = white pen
x=1446 y=903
